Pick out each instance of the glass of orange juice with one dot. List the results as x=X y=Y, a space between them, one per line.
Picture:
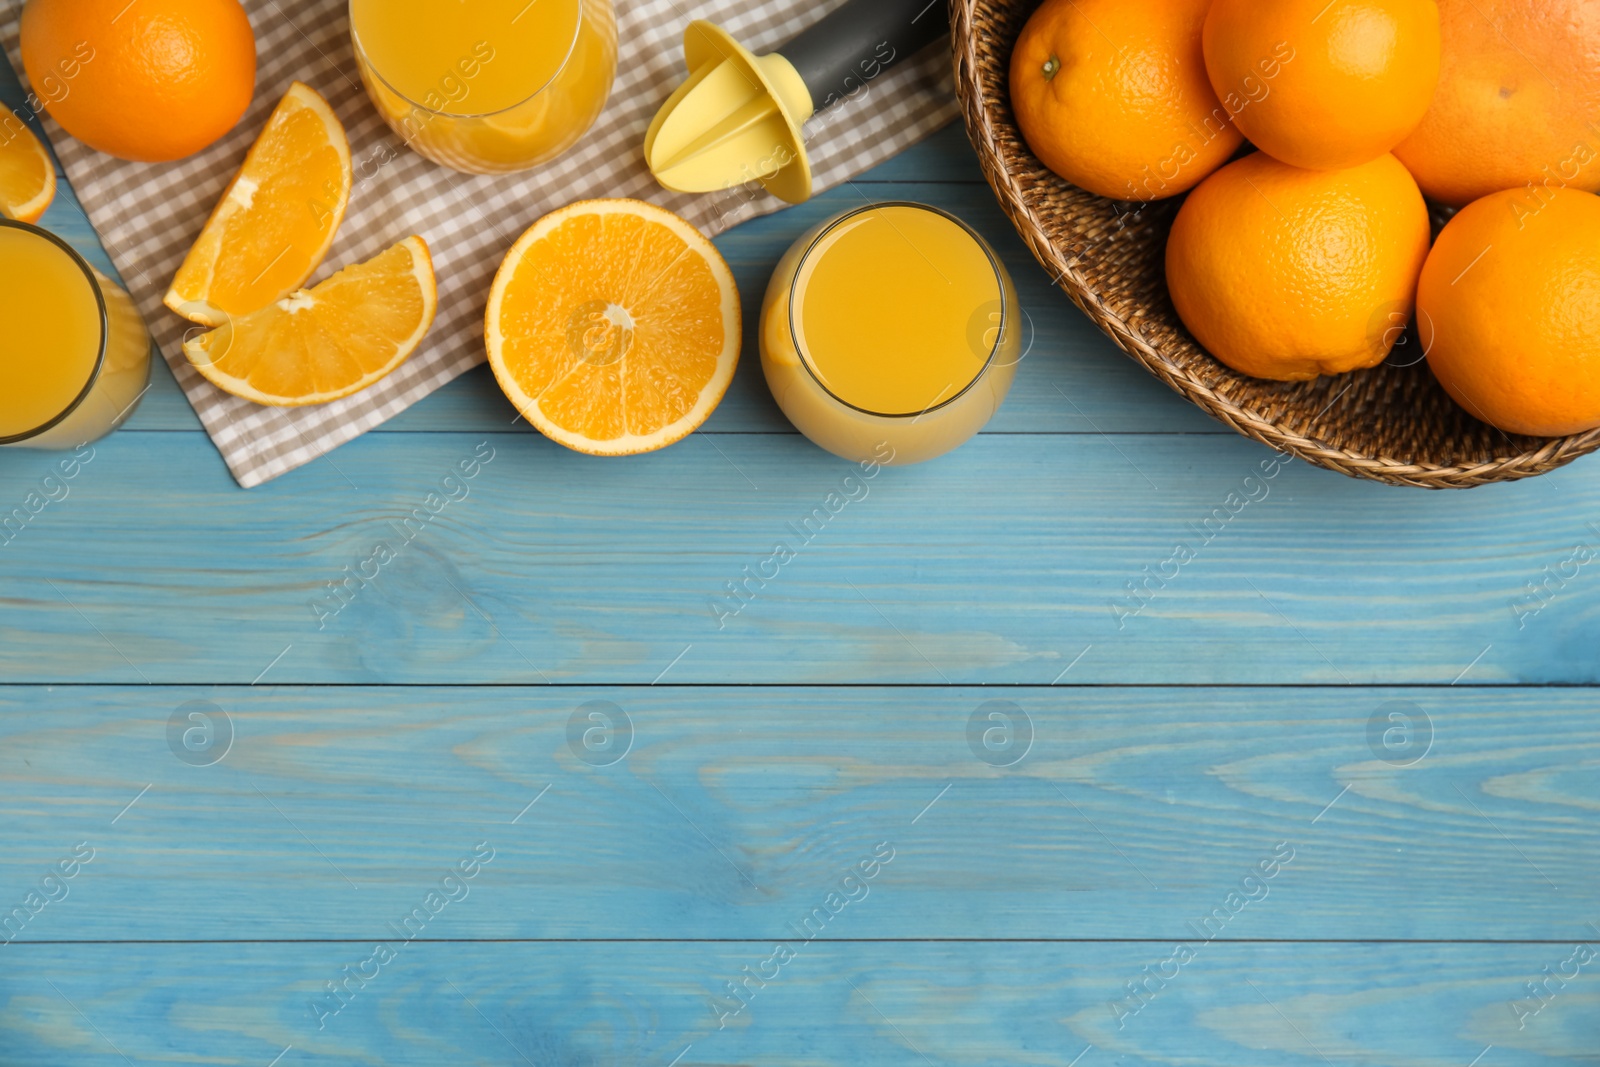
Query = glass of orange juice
x=487 y=86
x=74 y=353
x=889 y=333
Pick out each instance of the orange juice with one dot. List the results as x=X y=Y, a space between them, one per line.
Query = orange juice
x=74 y=354
x=487 y=86
x=890 y=330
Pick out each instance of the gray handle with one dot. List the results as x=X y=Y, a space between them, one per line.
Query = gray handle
x=861 y=39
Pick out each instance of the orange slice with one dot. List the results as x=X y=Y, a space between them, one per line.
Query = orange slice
x=613 y=326
x=27 y=176
x=325 y=343
x=277 y=219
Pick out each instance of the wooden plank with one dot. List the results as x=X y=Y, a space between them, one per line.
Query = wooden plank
x=1377 y=1005
x=945 y=157
x=1000 y=563
x=730 y=812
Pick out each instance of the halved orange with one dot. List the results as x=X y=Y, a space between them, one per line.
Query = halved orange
x=27 y=176
x=327 y=342
x=614 y=327
x=277 y=219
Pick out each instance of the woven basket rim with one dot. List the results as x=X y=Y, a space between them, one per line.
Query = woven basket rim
x=980 y=118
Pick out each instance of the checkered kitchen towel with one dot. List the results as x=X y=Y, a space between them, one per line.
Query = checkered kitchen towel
x=147 y=215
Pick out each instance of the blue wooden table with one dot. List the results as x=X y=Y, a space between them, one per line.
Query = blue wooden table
x=978 y=778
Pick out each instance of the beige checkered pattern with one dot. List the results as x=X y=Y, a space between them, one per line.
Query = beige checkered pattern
x=148 y=214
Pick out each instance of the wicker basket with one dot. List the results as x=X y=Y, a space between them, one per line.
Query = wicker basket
x=1392 y=423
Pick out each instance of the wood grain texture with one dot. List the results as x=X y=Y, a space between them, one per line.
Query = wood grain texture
x=1000 y=563
x=220 y=900
x=731 y=812
x=914 y=1005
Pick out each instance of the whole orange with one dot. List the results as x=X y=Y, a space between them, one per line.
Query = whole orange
x=1288 y=273
x=1519 y=95
x=1112 y=95
x=1508 y=311
x=152 y=80
x=1324 y=83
